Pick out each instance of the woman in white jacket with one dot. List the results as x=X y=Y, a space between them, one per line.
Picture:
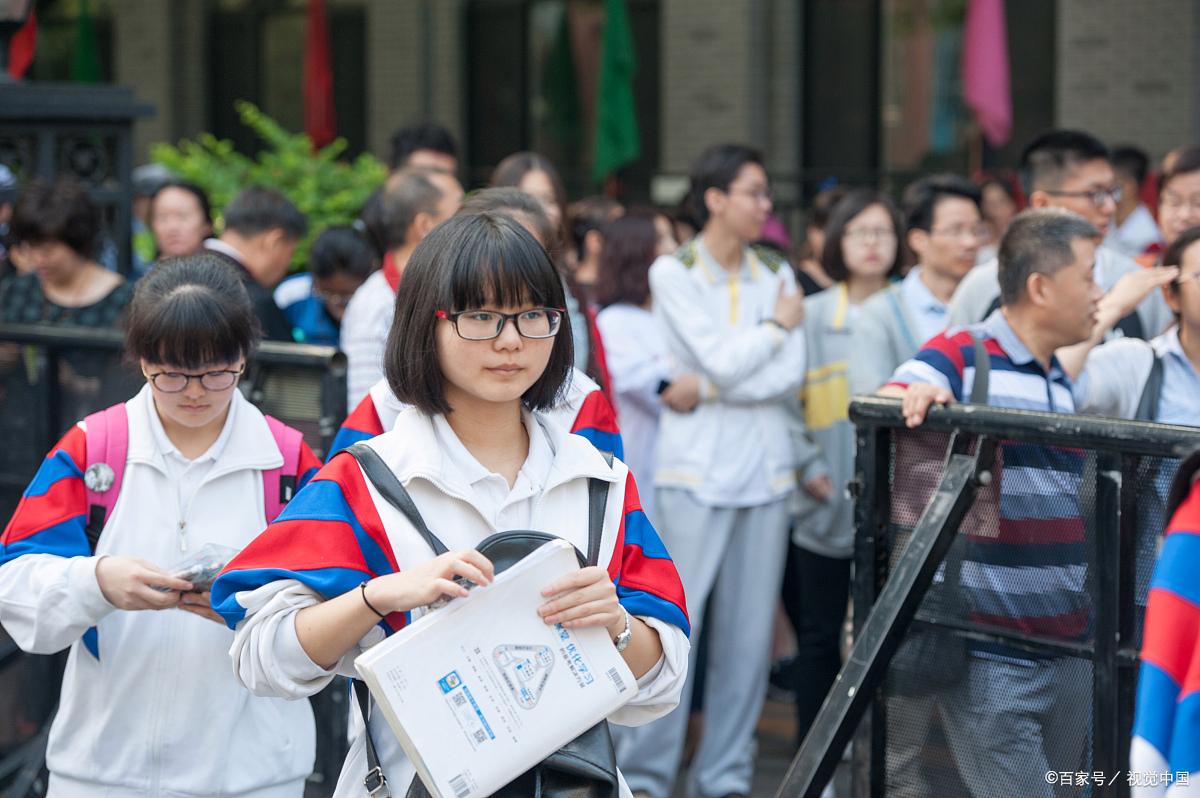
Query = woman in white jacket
x=477 y=350
x=149 y=706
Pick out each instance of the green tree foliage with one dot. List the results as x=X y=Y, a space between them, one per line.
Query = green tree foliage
x=327 y=190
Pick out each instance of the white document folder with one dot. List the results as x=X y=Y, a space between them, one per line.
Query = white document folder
x=480 y=691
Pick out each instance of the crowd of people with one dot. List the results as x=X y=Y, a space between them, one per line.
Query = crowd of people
x=506 y=348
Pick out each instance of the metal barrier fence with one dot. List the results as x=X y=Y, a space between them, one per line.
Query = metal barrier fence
x=1001 y=571
x=52 y=377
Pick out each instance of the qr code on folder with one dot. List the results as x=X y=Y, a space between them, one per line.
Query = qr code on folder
x=466 y=710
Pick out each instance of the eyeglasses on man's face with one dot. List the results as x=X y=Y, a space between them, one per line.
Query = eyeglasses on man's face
x=484 y=325
x=961 y=231
x=1097 y=196
x=177 y=381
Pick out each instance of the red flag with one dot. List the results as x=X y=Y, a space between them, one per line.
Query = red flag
x=985 y=80
x=319 y=121
x=21 y=47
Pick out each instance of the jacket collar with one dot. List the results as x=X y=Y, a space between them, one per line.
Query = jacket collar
x=411 y=449
x=249 y=445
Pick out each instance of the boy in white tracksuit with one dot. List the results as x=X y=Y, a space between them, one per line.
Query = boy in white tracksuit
x=726 y=465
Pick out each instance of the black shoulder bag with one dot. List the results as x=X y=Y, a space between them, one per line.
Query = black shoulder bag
x=586 y=767
x=930 y=660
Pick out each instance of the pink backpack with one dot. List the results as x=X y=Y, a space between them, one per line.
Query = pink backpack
x=108 y=447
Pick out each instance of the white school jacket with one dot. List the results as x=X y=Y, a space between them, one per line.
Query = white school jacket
x=734 y=449
x=157 y=712
x=318 y=542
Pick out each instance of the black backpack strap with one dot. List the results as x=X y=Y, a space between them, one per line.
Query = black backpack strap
x=1147 y=409
x=597 y=503
x=389 y=488
x=983 y=372
x=375 y=781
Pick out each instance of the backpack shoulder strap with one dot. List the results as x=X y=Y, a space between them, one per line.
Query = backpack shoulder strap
x=1147 y=409
x=983 y=371
x=597 y=503
x=893 y=296
x=391 y=489
x=279 y=484
x=107 y=449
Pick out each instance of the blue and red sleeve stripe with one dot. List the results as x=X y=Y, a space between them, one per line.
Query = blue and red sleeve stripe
x=1168 y=699
x=362 y=424
x=647 y=582
x=329 y=538
x=308 y=466
x=597 y=421
x=52 y=514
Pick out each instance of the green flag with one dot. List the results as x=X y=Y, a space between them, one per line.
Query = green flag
x=617 y=141
x=85 y=58
x=559 y=88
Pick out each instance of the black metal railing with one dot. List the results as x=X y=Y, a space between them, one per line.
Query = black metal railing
x=50 y=377
x=937 y=509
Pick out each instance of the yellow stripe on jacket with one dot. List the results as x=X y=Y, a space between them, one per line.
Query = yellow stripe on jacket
x=826 y=395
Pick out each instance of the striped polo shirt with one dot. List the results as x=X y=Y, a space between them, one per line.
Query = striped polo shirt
x=1025 y=571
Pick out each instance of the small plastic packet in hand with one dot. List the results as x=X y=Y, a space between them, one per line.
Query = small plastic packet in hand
x=202 y=566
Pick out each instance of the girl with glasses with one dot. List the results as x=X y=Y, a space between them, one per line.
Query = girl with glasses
x=863 y=252
x=478 y=351
x=91 y=560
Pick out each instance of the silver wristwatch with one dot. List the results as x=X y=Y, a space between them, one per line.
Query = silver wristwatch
x=621 y=641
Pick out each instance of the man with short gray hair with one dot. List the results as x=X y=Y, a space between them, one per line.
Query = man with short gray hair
x=413 y=202
x=1014 y=716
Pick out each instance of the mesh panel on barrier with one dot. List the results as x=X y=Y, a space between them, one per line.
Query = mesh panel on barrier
x=985 y=713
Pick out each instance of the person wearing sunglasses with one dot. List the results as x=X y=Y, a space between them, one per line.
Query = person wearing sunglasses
x=1071 y=170
x=339 y=261
x=90 y=560
x=478 y=351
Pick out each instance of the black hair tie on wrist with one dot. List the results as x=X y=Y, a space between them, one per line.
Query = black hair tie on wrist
x=363 y=590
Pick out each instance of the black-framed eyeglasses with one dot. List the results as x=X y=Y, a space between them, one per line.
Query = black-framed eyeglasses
x=484 y=325
x=177 y=381
x=1096 y=196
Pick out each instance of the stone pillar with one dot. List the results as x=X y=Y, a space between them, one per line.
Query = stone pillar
x=161 y=51
x=1127 y=71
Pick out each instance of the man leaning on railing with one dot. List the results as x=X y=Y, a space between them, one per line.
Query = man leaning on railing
x=1014 y=716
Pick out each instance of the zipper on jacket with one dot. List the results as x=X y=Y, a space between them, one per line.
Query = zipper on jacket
x=183 y=535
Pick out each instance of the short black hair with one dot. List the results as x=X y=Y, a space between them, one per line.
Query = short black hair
x=1187 y=161
x=1038 y=241
x=190 y=188
x=191 y=312
x=341 y=248
x=823 y=204
x=516 y=204
x=851 y=205
x=467 y=262
x=1049 y=157
x=630 y=244
x=1132 y=161
x=422 y=136
x=60 y=211
x=256 y=210
x=717 y=167
x=1173 y=256
x=921 y=198
x=588 y=214
x=407 y=193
